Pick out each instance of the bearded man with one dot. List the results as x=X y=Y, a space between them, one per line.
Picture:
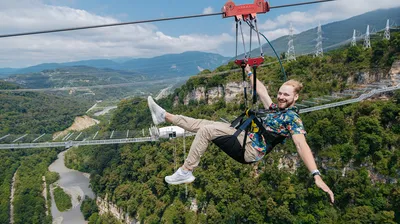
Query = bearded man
x=284 y=121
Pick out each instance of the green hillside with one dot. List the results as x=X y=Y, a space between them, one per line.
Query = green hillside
x=334 y=33
x=30 y=112
x=74 y=76
x=88 y=83
x=363 y=138
x=165 y=66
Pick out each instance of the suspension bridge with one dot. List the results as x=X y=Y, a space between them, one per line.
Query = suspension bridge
x=10 y=141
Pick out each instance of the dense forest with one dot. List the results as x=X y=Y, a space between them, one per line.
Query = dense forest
x=356 y=148
x=8 y=165
x=32 y=112
x=29 y=203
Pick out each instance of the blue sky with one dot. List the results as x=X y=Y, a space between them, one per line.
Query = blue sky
x=132 y=10
x=208 y=34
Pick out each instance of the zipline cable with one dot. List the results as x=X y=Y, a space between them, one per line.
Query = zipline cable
x=146 y=21
x=107 y=25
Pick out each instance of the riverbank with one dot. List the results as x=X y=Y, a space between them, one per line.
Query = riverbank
x=12 y=198
x=75 y=184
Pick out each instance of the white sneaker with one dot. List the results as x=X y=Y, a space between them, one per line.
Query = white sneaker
x=157 y=112
x=180 y=177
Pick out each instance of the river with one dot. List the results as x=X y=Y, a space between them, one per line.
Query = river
x=74 y=183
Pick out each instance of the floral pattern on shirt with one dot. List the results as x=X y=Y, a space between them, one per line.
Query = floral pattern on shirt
x=283 y=122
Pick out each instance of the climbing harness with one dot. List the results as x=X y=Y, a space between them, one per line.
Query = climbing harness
x=251 y=119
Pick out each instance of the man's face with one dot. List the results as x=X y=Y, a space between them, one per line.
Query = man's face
x=286 y=96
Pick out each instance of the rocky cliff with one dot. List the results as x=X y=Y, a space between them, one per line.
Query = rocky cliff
x=106 y=207
x=231 y=91
x=228 y=92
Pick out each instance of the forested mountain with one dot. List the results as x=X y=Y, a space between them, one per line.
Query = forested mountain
x=5 y=71
x=334 y=33
x=108 y=80
x=356 y=147
x=31 y=112
x=169 y=65
x=74 y=77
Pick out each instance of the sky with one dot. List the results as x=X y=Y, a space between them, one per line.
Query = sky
x=209 y=34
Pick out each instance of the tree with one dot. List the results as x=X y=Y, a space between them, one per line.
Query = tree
x=354 y=54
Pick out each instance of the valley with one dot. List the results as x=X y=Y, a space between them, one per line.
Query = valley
x=356 y=145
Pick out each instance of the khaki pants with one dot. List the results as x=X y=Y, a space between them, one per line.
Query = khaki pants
x=207 y=131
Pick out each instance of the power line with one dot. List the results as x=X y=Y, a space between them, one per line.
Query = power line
x=145 y=21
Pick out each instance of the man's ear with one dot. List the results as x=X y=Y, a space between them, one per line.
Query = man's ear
x=296 y=96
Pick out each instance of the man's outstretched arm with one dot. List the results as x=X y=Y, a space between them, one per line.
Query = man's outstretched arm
x=261 y=90
x=305 y=154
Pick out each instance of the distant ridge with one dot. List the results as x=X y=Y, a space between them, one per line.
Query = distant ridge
x=169 y=65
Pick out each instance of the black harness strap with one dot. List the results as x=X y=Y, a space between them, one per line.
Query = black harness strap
x=230 y=143
x=243 y=66
x=232 y=147
x=254 y=85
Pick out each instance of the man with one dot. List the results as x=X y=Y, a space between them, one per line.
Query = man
x=284 y=121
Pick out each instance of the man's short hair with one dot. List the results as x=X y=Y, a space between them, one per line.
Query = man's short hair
x=296 y=84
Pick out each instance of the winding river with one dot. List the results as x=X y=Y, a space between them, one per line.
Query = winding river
x=74 y=183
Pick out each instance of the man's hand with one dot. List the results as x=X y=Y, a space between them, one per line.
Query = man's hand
x=247 y=69
x=321 y=184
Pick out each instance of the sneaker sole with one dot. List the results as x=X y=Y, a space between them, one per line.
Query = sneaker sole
x=190 y=180
x=153 y=117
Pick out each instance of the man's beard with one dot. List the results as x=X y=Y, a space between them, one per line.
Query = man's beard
x=285 y=104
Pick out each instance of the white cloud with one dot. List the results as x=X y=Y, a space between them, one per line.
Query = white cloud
x=324 y=13
x=208 y=10
x=345 y=9
x=144 y=40
x=297 y=18
x=274 y=34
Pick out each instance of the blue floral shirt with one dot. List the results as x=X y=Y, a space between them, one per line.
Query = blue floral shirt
x=283 y=122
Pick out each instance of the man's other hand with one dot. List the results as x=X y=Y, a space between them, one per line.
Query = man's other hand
x=321 y=184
